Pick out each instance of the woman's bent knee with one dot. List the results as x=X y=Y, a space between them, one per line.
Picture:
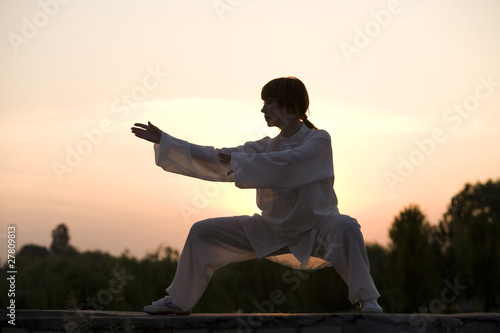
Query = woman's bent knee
x=200 y=228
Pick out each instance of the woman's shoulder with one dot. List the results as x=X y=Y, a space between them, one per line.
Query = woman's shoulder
x=318 y=134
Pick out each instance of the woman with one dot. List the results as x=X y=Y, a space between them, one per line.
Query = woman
x=300 y=224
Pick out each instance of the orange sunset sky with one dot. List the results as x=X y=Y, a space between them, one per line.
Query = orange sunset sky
x=409 y=91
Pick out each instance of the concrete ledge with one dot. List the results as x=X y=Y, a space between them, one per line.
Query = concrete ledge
x=34 y=321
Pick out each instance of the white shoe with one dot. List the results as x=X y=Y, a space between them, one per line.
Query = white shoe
x=370 y=306
x=165 y=306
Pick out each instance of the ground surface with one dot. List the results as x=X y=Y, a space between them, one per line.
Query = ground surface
x=33 y=321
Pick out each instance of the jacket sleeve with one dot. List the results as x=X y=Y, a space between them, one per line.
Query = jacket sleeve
x=181 y=157
x=312 y=161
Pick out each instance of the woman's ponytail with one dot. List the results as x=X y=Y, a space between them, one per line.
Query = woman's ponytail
x=307 y=122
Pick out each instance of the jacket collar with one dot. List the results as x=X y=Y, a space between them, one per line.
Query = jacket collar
x=297 y=137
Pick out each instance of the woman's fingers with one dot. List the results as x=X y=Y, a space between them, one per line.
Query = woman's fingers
x=141 y=125
x=139 y=132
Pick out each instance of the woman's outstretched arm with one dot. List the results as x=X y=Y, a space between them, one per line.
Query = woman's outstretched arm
x=182 y=157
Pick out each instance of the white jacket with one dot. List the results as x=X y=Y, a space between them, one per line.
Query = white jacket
x=294 y=182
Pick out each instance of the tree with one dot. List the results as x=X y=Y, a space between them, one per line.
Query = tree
x=414 y=272
x=33 y=251
x=60 y=239
x=470 y=233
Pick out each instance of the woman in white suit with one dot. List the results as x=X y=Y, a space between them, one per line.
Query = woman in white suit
x=300 y=224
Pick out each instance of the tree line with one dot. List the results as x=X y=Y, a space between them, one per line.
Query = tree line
x=451 y=266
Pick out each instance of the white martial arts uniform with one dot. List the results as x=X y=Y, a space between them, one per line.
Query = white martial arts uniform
x=300 y=225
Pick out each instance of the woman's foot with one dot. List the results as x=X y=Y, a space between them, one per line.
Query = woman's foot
x=165 y=306
x=370 y=306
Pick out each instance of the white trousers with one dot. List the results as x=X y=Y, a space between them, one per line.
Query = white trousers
x=214 y=243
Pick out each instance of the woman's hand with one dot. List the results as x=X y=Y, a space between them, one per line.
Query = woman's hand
x=226 y=159
x=147 y=132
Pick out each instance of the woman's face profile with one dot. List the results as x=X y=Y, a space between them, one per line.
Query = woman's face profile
x=274 y=114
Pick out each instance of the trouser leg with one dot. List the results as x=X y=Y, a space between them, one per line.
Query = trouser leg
x=211 y=244
x=339 y=240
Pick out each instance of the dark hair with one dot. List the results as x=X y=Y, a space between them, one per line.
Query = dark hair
x=291 y=93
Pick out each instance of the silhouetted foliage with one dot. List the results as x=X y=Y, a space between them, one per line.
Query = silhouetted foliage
x=413 y=261
x=33 y=251
x=449 y=267
x=470 y=233
x=60 y=239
